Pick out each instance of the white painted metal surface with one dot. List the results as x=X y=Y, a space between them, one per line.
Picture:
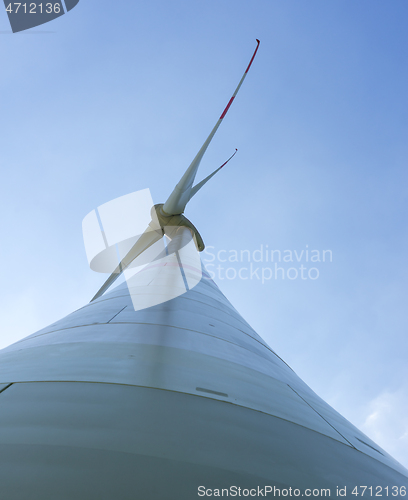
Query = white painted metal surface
x=111 y=402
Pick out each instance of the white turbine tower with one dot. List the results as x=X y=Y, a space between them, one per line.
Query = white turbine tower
x=176 y=401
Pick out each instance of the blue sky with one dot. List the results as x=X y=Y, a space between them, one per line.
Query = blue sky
x=116 y=97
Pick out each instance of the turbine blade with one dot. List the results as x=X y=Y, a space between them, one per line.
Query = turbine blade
x=150 y=236
x=177 y=201
x=198 y=186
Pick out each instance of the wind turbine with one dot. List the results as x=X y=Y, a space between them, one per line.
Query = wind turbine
x=170 y=213
x=178 y=401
